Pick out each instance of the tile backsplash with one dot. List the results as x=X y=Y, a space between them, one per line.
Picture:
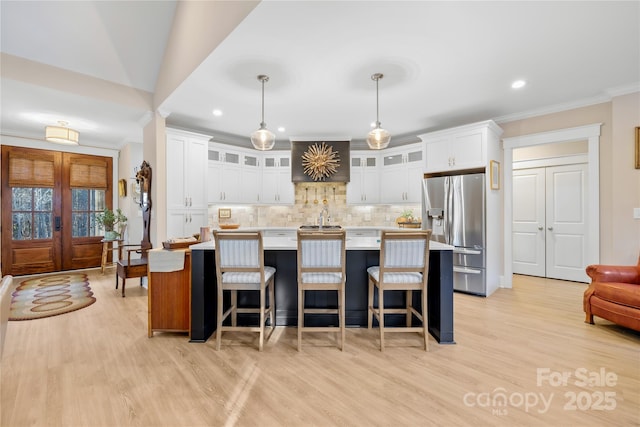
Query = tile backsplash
x=309 y=201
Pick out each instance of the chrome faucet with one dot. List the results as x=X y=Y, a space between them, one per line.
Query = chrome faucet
x=324 y=216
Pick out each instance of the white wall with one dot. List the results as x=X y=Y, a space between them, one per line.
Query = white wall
x=130 y=158
x=619 y=180
x=625 y=181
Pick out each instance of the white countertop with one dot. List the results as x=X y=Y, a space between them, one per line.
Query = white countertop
x=290 y=243
x=294 y=228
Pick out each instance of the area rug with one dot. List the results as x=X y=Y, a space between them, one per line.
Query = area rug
x=47 y=296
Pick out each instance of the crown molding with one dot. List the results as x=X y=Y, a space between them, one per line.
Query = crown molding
x=585 y=102
x=624 y=90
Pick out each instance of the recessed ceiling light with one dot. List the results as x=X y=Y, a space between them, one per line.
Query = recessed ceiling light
x=281 y=129
x=217 y=112
x=518 y=84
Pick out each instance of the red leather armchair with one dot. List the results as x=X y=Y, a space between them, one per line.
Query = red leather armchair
x=614 y=294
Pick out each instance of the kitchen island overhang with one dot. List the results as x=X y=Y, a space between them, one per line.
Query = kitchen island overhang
x=362 y=252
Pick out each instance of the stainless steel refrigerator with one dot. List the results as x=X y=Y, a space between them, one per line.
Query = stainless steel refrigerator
x=453 y=207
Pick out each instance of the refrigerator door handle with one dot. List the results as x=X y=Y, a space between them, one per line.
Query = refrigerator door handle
x=466 y=270
x=466 y=251
x=447 y=210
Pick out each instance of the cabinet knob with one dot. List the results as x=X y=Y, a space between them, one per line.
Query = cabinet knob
x=540 y=227
x=550 y=228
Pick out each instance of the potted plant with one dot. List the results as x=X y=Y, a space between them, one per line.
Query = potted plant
x=407 y=220
x=108 y=219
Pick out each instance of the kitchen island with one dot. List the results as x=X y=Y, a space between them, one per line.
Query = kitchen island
x=280 y=251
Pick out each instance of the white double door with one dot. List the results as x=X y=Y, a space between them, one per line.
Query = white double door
x=550 y=222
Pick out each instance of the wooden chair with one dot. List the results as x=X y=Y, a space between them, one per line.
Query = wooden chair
x=240 y=267
x=137 y=267
x=404 y=266
x=321 y=267
x=129 y=268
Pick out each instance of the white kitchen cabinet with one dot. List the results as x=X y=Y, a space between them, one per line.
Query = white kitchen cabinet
x=186 y=182
x=214 y=181
x=225 y=172
x=250 y=179
x=277 y=187
x=464 y=147
x=364 y=187
x=237 y=176
x=186 y=170
x=185 y=222
x=401 y=174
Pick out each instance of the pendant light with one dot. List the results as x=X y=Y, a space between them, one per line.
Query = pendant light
x=61 y=134
x=263 y=139
x=378 y=138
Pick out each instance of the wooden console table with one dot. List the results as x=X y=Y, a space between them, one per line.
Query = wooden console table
x=170 y=297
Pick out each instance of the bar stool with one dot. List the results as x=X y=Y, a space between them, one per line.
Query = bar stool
x=321 y=267
x=240 y=267
x=404 y=266
x=105 y=250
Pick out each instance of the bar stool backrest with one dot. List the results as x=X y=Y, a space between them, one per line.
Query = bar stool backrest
x=238 y=253
x=402 y=251
x=321 y=250
x=241 y=250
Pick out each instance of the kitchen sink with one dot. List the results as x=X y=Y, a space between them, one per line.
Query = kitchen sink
x=317 y=227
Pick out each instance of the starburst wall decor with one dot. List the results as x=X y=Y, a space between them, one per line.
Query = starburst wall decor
x=320 y=161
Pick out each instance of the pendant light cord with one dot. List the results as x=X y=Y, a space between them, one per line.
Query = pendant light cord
x=262 y=124
x=377 y=105
x=377 y=77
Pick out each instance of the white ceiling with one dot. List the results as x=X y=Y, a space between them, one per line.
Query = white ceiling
x=444 y=64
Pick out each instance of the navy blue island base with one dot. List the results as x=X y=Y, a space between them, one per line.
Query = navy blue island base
x=440 y=292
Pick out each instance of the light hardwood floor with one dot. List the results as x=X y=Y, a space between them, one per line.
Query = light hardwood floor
x=96 y=367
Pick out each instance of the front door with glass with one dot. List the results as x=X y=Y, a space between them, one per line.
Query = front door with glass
x=49 y=203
